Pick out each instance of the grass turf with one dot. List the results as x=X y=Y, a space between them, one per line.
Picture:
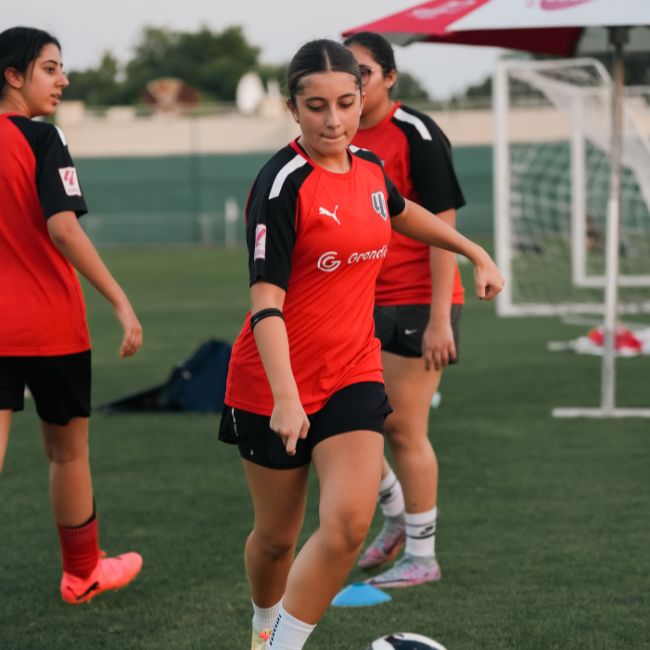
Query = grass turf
x=543 y=528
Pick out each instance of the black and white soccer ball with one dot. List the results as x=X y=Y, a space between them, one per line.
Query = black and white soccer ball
x=405 y=641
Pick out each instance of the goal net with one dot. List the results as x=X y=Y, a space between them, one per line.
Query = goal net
x=552 y=178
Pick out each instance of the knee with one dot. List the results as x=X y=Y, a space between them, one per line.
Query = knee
x=64 y=452
x=398 y=436
x=274 y=545
x=347 y=533
x=404 y=437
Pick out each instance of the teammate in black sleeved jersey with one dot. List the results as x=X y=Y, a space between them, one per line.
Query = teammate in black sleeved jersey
x=304 y=382
x=44 y=340
x=417 y=316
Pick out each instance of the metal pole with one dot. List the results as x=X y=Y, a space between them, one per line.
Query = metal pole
x=578 y=196
x=502 y=228
x=617 y=37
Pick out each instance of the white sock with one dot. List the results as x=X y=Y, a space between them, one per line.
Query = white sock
x=391 y=497
x=289 y=633
x=264 y=617
x=421 y=533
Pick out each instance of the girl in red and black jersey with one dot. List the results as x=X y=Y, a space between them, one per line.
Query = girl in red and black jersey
x=305 y=382
x=418 y=304
x=44 y=342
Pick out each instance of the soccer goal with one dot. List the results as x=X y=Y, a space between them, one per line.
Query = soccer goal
x=552 y=172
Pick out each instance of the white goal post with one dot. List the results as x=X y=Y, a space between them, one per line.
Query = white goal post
x=551 y=180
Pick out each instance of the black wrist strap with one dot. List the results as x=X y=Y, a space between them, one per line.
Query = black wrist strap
x=265 y=313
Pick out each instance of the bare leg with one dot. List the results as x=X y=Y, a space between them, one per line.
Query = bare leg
x=279 y=498
x=410 y=389
x=349 y=470
x=5 y=426
x=385 y=468
x=71 y=490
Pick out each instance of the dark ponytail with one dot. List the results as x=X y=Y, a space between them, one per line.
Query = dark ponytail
x=380 y=49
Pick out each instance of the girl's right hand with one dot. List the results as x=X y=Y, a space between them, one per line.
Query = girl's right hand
x=132 y=339
x=290 y=422
x=487 y=277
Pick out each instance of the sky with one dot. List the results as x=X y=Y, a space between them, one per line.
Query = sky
x=87 y=28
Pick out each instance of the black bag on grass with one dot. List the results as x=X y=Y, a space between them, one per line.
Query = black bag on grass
x=196 y=384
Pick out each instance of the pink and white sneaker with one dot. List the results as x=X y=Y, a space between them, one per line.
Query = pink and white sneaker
x=385 y=546
x=408 y=572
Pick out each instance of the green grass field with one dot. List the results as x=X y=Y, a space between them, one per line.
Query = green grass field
x=544 y=524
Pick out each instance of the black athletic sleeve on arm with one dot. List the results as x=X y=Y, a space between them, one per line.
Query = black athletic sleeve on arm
x=56 y=177
x=432 y=168
x=271 y=230
x=396 y=202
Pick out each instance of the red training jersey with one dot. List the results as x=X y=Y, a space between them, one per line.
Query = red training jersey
x=417 y=158
x=42 y=307
x=322 y=237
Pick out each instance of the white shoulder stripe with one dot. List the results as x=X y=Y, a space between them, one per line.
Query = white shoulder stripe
x=62 y=136
x=291 y=166
x=421 y=127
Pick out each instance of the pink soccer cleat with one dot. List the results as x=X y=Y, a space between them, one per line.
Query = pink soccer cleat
x=408 y=572
x=110 y=573
x=384 y=547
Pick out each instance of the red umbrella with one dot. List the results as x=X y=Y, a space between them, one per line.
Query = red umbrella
x=560 y=27
x=547 y=26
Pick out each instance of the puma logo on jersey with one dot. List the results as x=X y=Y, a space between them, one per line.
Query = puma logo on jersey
x=324 y=212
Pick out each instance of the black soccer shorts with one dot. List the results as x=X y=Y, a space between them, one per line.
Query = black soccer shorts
x=400 y=328
x=362 y=406
x=60 y=385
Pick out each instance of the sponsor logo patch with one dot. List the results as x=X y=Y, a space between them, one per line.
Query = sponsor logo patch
x=260 y=242
x=553 y=5
x=330 y=261
x=70 y=181
x=379 y=204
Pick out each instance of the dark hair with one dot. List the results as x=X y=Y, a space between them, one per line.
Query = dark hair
x=322 y=55
x=378 y=46
x=20 y=47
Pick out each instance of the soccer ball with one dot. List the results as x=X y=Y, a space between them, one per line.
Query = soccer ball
x=405 y=641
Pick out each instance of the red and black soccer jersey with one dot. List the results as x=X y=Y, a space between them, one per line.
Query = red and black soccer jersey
x=322 y=237
x=42 y=307
x=417 y=158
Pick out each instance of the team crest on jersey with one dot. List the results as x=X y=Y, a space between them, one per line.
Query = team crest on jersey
x=70 y=181
x=379 y=204
x=260 y=242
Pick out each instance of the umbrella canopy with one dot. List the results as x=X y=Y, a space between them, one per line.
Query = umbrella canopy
x=560 y=27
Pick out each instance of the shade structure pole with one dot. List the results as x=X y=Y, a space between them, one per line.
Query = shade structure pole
x=618 y=37
x=501 y=166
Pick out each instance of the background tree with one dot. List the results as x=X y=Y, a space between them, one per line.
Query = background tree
x=96 y=86
x=211 y=62
x=409 y=88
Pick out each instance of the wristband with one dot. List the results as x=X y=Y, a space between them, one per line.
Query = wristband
x=265 y=313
